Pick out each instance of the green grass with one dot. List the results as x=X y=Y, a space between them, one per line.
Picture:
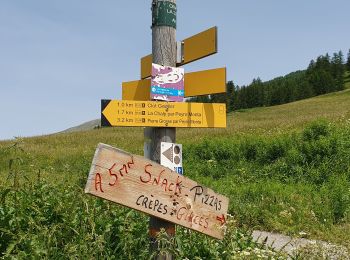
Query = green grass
x=291 y=183
x=285 y=168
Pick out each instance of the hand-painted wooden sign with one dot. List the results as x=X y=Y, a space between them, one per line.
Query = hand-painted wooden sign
x=167 y=83
x=144 y=185
x=194 y=48
x=162 y=114
x=199 y=83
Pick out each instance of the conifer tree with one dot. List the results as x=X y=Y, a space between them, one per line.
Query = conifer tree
x=338 y=70
x=230 y=92
x=323 y=75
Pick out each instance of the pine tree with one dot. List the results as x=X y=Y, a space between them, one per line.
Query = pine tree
x=230 y=92
x=323 y=75
x=338 y=70
x=199 y=99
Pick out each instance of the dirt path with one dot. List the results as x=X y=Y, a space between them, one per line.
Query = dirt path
x=291 y=245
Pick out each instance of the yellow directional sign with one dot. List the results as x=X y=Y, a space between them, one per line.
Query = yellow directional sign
x=162 y=114
x=196 y=47
x=200 y=45
x=136 y=90
x=146 y=66
x=204 y=82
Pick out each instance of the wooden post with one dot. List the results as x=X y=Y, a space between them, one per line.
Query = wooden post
x=164 y=53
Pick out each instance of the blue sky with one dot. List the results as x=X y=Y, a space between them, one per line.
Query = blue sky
x=59 y=58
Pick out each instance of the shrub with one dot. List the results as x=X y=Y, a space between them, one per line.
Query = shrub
x=251 y=149
x=337 y=193
x=316 y=129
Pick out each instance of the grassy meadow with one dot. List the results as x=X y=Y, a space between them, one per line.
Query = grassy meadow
x=285 y=169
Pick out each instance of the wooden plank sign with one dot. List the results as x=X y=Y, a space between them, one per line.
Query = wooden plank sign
x=162 y=114
x=194 y=48
x=199 y=83
x=144 y=185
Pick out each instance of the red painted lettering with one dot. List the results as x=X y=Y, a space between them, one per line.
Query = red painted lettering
x=158 y=180
x=165 y=184
x=178 y=185
x=201 y=221
x=98 y=182
x=195 y=220
x=180 y=213
x=112 y=174
x=190 y=217
x=148 y=173
x=125 y=168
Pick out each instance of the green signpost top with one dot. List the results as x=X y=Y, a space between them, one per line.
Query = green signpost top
x=164 y=14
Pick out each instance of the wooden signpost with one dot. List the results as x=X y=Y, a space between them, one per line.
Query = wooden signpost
x=145 y=185
x=162 y=114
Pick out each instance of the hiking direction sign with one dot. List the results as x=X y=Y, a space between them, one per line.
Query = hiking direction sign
x=205 y=82
x=171 y=156
x=162 y=114
x=144 y=185
x=171 y=85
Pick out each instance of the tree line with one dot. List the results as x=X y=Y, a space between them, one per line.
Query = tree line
x=323 y=75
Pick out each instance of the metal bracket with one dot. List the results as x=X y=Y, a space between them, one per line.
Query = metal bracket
x=179 y=52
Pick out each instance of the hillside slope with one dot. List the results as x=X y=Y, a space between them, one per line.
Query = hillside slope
x=280 y=172
x=84 y=126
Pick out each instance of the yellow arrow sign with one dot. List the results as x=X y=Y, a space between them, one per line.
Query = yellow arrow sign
x=204 y=82
x=162 y=114
x=196 y=47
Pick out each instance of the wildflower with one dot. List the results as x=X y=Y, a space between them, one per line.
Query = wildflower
x=302 y=234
